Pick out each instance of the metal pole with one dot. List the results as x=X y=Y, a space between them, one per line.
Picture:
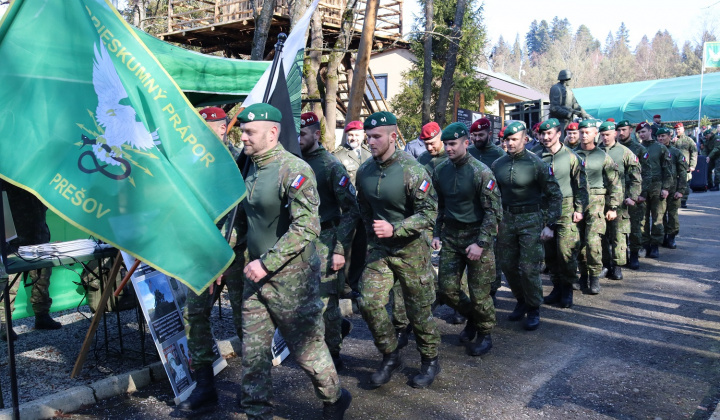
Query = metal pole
x=11 y=350
x=702 y=75
x=276 y=62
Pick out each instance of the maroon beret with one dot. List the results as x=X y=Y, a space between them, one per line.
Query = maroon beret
x=353 y=125
x=308 y=119
x=479 y=125
x=572 y=126
x=429 y=130
x=641 y=126
x=213 y=113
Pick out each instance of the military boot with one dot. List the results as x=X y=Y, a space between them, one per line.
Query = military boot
x=583 y=281
x=337 y=361
x=566 y=296
x=665 y=241
x=594 y=288
x=482 y=345
x=429 y=369
x=457 y=318
x=402 y=336
x=336 y=410
x=45 y=322
x=532 y=322
x=519 y=312
x=3 y=333
x=390 y=363
x=683 y=204
x=345 y=328
x=604 y=272
x=634 y=261
x=553 y=297
x=468 y=333
x=654 y=252
x=671 y=242
x=204 y=394
x=616 y=273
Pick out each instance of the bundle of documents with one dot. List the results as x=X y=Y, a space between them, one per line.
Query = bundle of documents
x=74 y=248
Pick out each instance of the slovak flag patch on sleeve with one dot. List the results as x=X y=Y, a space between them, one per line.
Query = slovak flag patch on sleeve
x=645 y=156
x=491 y=184
x=299 y=181
x=550 y=170
x=424 y=186
x=344 y=181
x=636 y=159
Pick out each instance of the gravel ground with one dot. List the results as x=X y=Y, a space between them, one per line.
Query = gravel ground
x=646 y=348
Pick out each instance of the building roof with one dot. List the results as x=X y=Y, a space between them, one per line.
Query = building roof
x=507 y=86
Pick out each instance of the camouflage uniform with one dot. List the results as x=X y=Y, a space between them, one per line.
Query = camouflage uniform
x=659 y=178
x=561 y=253
x=523 y=178
x=338 y=217
x=679 y=168
x=602 y=180
x=469 y=212
x=687 y=146
x=350 y=159
x=629 y=174
x=29 y=217
x=709 y=144
x=281 y=230
x=400 y=192
x=637 y=212
x=715 y=158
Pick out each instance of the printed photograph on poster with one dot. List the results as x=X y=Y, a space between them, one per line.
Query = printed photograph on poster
x=179 y=290
x=185 y=355
x=178 y=372
x=157 y=296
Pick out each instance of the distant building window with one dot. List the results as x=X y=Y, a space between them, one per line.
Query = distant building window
x=381 y=80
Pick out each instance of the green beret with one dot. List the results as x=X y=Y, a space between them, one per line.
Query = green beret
x=607 y=126
x=708 y=132
x=379 y=119
x=623 y=123
x=588 y=123
x=548 y=124
x=663 y=130
x=454 y=131
x=512 y=128
x=260 y=112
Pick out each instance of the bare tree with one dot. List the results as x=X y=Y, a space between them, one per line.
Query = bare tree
x=263 y=21
x=450 y=64
x=312 y=64
x=139 y=10
x=357 y=89
x=427 y=62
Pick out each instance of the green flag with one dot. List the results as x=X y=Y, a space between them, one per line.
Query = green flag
x=712 y=54
x=97 y=129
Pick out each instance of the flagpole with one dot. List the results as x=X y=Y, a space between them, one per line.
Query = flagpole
x=702 y=75
x=276 y=61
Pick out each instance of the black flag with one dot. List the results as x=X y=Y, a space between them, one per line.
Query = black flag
x=280 y=99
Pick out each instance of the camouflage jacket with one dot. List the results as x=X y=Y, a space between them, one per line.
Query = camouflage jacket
x=679 y=170
x=602 y=176
x=488 y=154
x=629 y=171
x=689 y=149
x=431 y=162
x=349 y=158
x=659 y=161
x=570 y=175
x=641 y=152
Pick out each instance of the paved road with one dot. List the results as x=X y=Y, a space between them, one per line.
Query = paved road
x=646 y=347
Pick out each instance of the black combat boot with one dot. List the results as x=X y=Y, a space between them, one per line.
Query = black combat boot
x=204 y=394
x=683 y=204
x=594 y=288
x=634 y=261
x=583 y=281
x=616 y=273
x=654 y=252
x=429 y=369
x=468 y=333
x=604 y=272
x=553 y=297
x=390 y=363
x=336 y=410
x=532 y=322
x=482 y=345
x=45 y=322
x=457 y=318
x=566 y=296
x=345 y=328
x=671 y=242
x=519 y=312
x=402 y=336
x=337 y=361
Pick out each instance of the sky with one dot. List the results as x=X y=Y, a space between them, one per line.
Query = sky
x=642 y=17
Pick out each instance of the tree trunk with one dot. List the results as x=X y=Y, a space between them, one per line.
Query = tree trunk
x=357 y=89
x=427 y=62
x=450 y=63
x=263 y=21
x=139 y=13
x=297 y=9
x=312 y=64
x=331 y=86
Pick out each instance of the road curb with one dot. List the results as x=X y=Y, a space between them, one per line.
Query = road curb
x=74 y=398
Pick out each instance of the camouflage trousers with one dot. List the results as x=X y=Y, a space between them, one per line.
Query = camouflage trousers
x=289 y=300
x=715 y=165
x=495 y=285
x=521 y=255
x=654 y=231
x=637 y=225
x=197 y=313
x=330 y=287
x=671 y=221
x=40 y=295
x=561 y=252
x=615 y=239
x=592 y=228
x=410 y=266
x=478 y=307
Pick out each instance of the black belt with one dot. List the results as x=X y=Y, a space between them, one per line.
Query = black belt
x=454 y=224
x=330 y=224
x=522 y=209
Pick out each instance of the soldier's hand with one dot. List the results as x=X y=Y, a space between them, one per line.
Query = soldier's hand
x=692 y=169
x=641 y=199
x=677 y=195
x=218 y=281
x=611 y=215
x=338 y=262
x=664 y=194
x=577 y=217
x=474 y=252
x=546 y=234
x=629 y=202
x=383 y=229
x=255 y=271
x=436 y=244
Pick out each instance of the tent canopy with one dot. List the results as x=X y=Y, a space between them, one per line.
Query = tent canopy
x=675 y=99
x=206 y=79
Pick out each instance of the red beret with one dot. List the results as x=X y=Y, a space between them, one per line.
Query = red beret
x=641 y=126
x=657 y=116
x=353 y=125
x=479 y=125
x=429 y=130
x=678 y=125
x=500 y=134
x=611 y=119
x=536 y=127
x=308 y=119
x=572 y=126
x=213 y=113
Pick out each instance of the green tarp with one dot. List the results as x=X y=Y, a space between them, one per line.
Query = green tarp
x=675 y=99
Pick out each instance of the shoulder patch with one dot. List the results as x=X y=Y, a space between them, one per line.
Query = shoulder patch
x=344 y=181
x=491 y=184
x=582 y=161
x=635 y=157
x=424 y=186
x=550 y=170
x=298 y=182
x=645 y=156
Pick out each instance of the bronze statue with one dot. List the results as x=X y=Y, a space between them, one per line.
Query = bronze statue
x=563 y=105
